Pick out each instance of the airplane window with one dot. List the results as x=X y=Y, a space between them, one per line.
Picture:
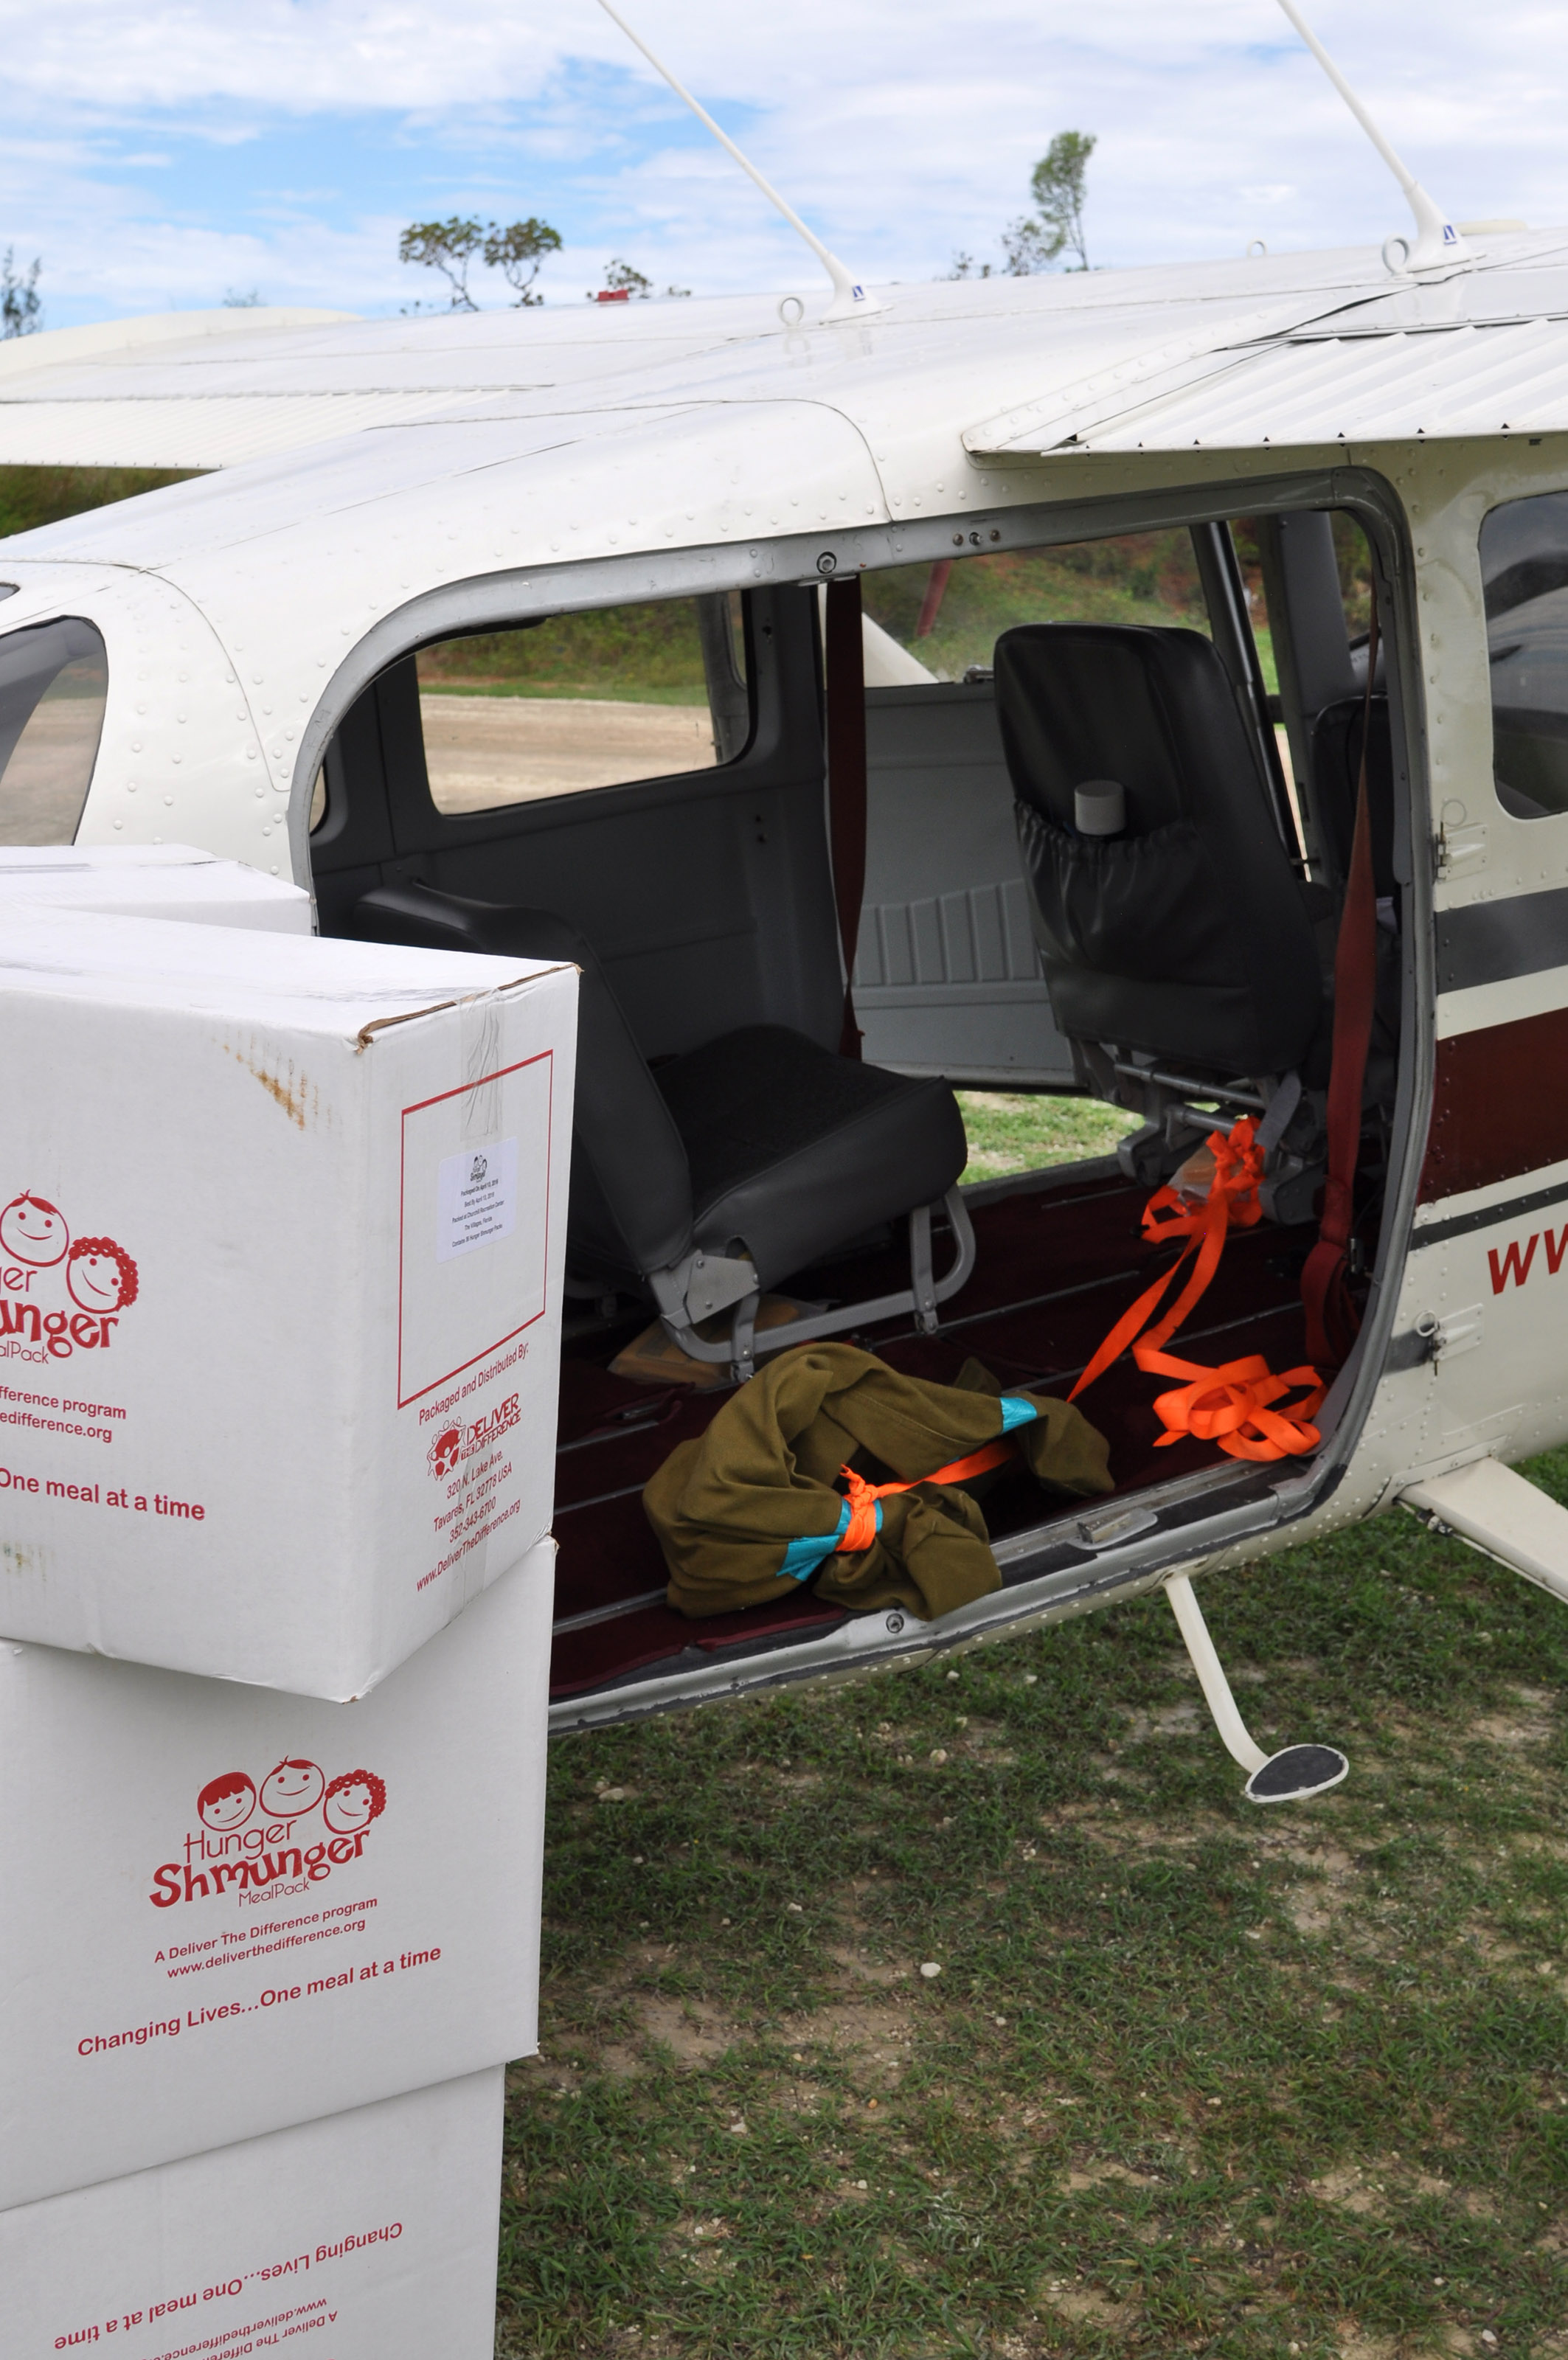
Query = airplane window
x=943 y=620
x=54 y=682
x=583 y=701
x=1524 y=571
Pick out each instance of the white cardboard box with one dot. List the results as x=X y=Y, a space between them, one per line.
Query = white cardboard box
x=282 y=1229
x=152 y=880
x=226 y=1910
x=374 y=2230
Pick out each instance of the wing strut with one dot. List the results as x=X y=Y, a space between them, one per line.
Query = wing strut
x=1502 y=1514
x=1436 y=240
x=851 y=301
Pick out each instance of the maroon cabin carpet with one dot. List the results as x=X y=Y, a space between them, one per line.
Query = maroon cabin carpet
x=1053 y=1271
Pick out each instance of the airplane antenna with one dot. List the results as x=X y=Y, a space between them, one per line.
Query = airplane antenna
x=1436 y=240
x=851 y=301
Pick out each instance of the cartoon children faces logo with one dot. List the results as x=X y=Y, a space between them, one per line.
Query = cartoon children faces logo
x=58 y=1296
x=34 y=1231
x=254 y=1840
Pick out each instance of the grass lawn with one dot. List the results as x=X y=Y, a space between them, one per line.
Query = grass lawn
x=1194 y=2077
x=1009 y=1131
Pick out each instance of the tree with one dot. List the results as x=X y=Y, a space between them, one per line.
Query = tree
x=1027 y=246
x=1059 y=183
x=517 y=254
x=451 y=245
x=448 y=247
x=21 y=311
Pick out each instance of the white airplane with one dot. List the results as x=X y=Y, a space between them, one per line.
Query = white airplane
x=1109 y=859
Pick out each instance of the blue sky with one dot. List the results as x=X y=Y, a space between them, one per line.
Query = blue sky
x=160 y=159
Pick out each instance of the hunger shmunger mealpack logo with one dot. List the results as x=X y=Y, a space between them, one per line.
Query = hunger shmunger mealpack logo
x=294 y=1826
x=58 y=1294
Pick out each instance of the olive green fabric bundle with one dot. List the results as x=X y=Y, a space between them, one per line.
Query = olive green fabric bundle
x=748 y=1510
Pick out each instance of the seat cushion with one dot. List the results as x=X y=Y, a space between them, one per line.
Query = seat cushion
x=792 y=1150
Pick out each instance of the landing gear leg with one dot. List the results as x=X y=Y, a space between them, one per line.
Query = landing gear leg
x=1289 y=1776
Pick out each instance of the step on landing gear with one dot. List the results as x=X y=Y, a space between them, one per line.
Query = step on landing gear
x=1289 y=1777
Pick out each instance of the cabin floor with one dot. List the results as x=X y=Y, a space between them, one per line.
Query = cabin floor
x=1060 y=1256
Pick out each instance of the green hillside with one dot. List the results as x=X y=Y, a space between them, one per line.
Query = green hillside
x=1140 y=578
x=650 y=653
x=33 y=495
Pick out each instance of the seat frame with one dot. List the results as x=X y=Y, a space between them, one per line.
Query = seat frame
x=701 y=1285
x=1293 y=1123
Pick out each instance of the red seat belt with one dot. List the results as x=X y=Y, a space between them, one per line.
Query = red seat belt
x=844 y=662
x=1332 y=1319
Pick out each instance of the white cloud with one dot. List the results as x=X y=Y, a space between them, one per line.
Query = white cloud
x=902 y=132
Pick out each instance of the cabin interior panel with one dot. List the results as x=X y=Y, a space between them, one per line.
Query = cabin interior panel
x=947 y=979
x=707 y=897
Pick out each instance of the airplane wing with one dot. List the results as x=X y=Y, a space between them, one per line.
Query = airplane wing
x=1299 y=349
x=1471 y=353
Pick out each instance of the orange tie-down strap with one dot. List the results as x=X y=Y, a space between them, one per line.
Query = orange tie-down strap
x=1235 y=1405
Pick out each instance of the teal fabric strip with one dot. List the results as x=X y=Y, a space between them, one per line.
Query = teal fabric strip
x=1015 y=1411
x=802 y=1557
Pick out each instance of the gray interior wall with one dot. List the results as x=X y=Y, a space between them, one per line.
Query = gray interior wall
x=708 y=897
x=946 y=978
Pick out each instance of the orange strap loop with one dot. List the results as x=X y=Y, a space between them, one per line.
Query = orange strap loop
x=1232 y=1406
x=864 y=1518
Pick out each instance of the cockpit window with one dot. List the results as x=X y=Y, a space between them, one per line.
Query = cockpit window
x=583 y=701
x=942 y=621
x=1524 y=571
x=54 y=680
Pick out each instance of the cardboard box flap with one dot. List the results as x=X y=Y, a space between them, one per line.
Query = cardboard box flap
x=305 y=984
x=176 y=882
x=88 y=859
